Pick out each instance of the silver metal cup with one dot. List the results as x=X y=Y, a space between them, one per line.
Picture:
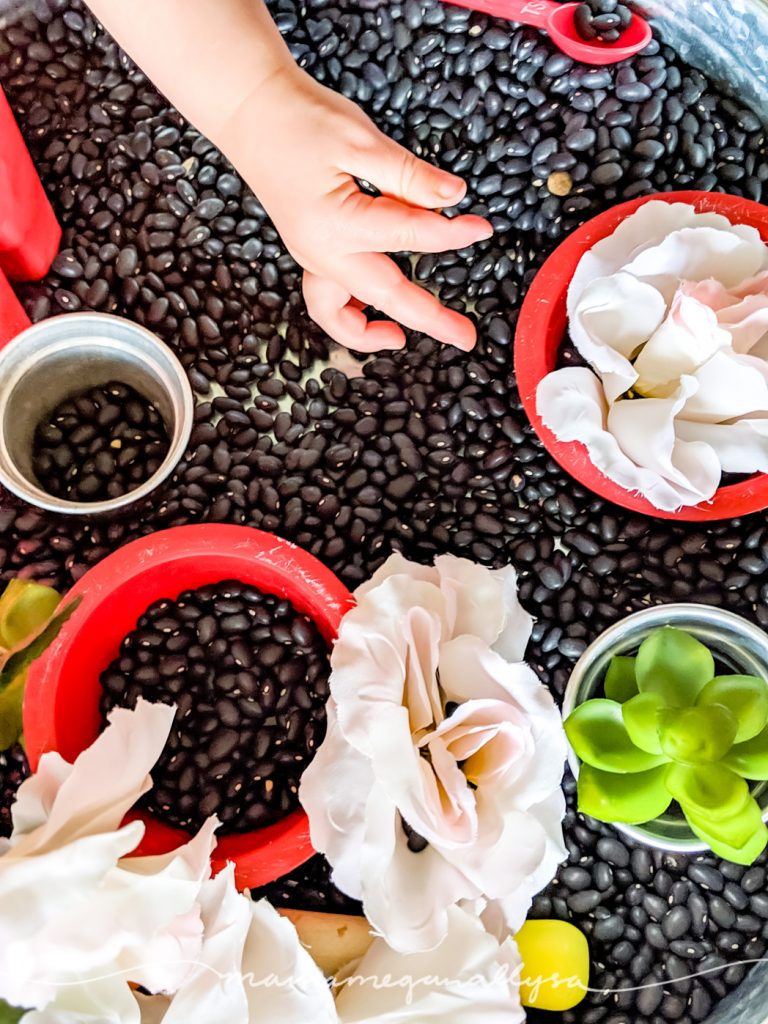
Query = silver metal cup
x=59 y=357
x=734 y=642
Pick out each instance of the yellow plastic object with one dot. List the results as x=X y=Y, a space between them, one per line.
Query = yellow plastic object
x=555 y=972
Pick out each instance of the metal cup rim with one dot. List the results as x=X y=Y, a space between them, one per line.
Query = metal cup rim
x=183 y=427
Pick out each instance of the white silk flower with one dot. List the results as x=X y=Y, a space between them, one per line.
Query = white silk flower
x=671 y=314
x=439 y=778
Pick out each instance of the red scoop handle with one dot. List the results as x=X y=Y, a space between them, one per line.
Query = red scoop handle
x=29 y=232
x=526 y=12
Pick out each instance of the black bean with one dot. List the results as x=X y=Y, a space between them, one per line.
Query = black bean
x=613 y=852
x=706 y=876
x=220 y=700
x=583 y=902
x=676 y=922
x=575 y=878
x=96 y=462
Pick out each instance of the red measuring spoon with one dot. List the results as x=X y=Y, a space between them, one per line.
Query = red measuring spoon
x=558 y=21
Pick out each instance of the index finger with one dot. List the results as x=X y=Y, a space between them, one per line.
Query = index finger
x=377 y=281
x=381 y=224
x=332 y=307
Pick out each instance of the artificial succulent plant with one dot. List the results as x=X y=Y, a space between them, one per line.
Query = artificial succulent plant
x=30 y=621
x=669 y=729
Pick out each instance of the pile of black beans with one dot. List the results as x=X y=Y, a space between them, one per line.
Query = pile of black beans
x=248 y=674
x=602 y=20
x=669 y=935
x=99 y=444
x=426 y=450
x=14 y=768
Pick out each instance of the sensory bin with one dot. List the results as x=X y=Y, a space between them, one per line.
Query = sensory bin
x=427 y=450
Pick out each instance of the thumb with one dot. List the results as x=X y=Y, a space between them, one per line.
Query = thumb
x=399 y=174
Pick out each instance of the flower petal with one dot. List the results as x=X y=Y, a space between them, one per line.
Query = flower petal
x=412 y=785
x=100 y=1001
x=154 y=899
x=406 y=895
x=282 y=981
x=333 y=791
x=549 y=814
x=687 y=338
x=470 y=978
x=613 y=318
x=742 y=311
x=469 y=669
x=491 y=739
x=397 y=565
x=386 y=654
x=93 y=797
x=571 y=402
x=740 y=447
x=518 y=624
x=35 y=929
x=729 y=386
x=645 y=431
x=647 y=227
x=474 y=599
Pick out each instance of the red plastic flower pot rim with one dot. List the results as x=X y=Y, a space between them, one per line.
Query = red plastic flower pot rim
x=542 y=327
x=61 y=706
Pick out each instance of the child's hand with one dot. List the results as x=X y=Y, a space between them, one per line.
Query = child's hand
x=301 y=146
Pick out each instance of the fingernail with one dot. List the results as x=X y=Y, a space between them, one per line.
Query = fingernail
x=448 y=189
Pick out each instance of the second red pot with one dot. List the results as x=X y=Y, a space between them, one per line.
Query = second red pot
x=61 y=705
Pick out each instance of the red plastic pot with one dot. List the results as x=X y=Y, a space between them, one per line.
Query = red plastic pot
x=542 y=327
x=29 y=232
x=61 y=704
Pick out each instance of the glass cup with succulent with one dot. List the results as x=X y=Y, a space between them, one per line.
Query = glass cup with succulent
x=670 y=729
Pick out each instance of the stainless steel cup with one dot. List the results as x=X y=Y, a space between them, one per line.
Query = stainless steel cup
x=734 y=642
x=59 y=357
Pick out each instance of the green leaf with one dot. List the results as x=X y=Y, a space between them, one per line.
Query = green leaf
x=10 y=1014
x=620 y=683
x=631 y=799
x=21 y=660
x=713 y=793
x=11 y=711
x=725 y=842
x=597 y=733
x=750 y=759
x=746 y=697
x=641 y=717
x=673 y=664
x=14 y=676
x=24 y=607
x=697 y=735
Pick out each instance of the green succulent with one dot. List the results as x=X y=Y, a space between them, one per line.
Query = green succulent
x=30 y=621
x=670 y=729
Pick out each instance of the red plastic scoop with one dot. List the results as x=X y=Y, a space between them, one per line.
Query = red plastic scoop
x=29 y=233
x=558 y=21
x=13 y=319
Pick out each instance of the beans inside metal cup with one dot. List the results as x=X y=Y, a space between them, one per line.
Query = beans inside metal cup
x=56 y=359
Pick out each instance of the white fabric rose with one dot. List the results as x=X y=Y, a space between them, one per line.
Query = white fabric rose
x=436 y=725
x=251 y=968
x=72 y=909
x=671 y=313
x=472 y=977
x=79 y=920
